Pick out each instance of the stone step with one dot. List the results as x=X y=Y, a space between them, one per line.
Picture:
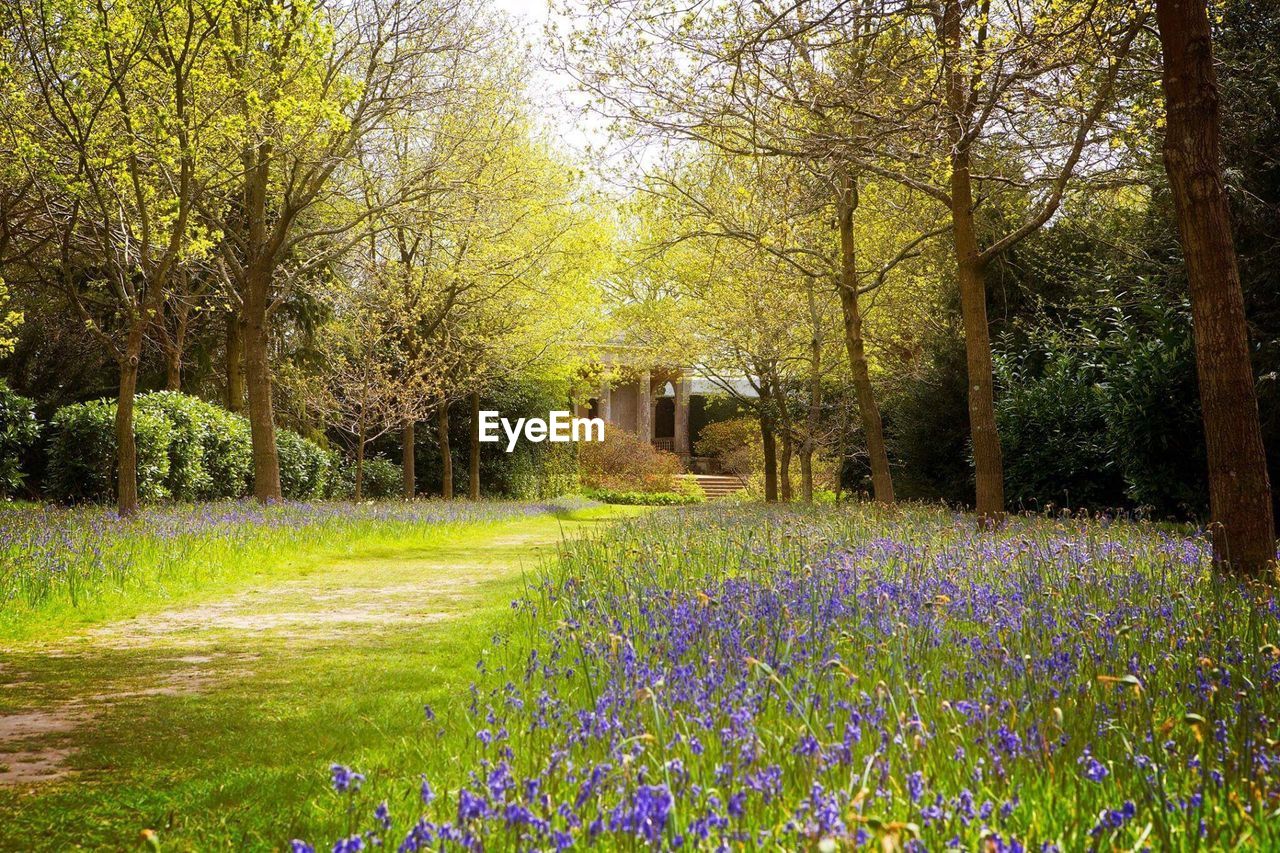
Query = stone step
x=717 y=485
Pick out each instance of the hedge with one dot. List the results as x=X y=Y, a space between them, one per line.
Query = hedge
x=19 y=432
x=188 y=450
x=643 y=498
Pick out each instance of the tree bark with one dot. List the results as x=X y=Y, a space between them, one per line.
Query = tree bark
x=473 y=474
x=266 y=462
x=235 y=363
x=770 y=443
x=784 y=468
x=446 y=457
x=173 y=370
x=1240 y=508
x=126 y=446
x=407 y=461
x=806 y=472
x=987 y=462
x=869 y=411
x=360 y=442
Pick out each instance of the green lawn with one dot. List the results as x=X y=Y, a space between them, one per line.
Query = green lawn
x=212 y=720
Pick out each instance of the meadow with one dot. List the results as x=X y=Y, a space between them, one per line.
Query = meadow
x=839 y=678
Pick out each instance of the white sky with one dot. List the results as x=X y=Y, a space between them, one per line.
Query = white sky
x=553 y=91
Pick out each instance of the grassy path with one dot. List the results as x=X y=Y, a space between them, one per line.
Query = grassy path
x=213 y=723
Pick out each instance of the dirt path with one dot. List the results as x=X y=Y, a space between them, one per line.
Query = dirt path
x=50 y=696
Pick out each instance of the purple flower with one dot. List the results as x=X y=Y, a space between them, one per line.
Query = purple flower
x=344 y=779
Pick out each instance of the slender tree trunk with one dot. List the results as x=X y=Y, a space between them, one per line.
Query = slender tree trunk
x=360 y=442
x=1239 y=489
x=446 y=455
x=872 y=424
x=235 y=363
x=987 y=462
x=126 y=446
x=173 y=371
x=806 y=471
x=473 y=474
x=266 y=462
x=770 y=443
x=407 y=462
x=784 y=468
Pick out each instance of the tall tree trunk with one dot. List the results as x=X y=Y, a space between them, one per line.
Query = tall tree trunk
x=446 y=455
x=1239 y=490
x=360 y=444
x=126 y=446
x=407 y=463
x=784 y=468
x=266 y=462
x=806 y=471
x=473 y=473
x=235 y=362
x=770 y=443
x=987 y=463
x=173 y=370
x=872 y=425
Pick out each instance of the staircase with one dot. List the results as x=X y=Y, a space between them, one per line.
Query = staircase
x=717 y=485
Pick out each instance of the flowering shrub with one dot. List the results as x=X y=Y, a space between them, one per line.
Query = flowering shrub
x=743 y=678
x=624 y=463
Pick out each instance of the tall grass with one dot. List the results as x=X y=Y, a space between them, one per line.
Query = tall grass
x=78 y=561
x=738 y=677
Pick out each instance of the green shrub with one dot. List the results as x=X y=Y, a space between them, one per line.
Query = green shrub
x=228 y=457
x=82 y=453
x=19 y=432
x=610 y=496
x=542 y=471
x=382 y=479
x=623 y=462
x=190 y=433
x=304 y=466
x=735 y=443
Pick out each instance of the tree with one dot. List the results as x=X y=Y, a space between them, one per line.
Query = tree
x=312 y=86
x=1239 y=490
x=112 y=112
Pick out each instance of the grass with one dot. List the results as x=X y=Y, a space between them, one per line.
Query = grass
x=61 y=569
x=841 y=677
x=854 y=677
x=217 y=734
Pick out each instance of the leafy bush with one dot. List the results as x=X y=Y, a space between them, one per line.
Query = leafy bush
x=611 y=496
x=82 y=453
x=1105 y=418
x=228 y=455
x=19 y=432
x=382 y=478
x=542 y=471
x=190 y=436
x=304 y=466
x=623 y=462
x=736 y=443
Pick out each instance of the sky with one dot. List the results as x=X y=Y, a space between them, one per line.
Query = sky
x=553 y=91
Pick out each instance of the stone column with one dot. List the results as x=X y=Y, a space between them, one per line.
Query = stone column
x=644 y=406
x=682 y=387
x=604 y=403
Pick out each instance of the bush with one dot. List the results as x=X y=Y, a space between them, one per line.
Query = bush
x=543 y=471
x=190 y=435
x=610 y=496
x=82 y=453
x=623 y=462
x=735 y=443
x=19 y=432
x=304 y=466
x=228 y=455
x=382 y=478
